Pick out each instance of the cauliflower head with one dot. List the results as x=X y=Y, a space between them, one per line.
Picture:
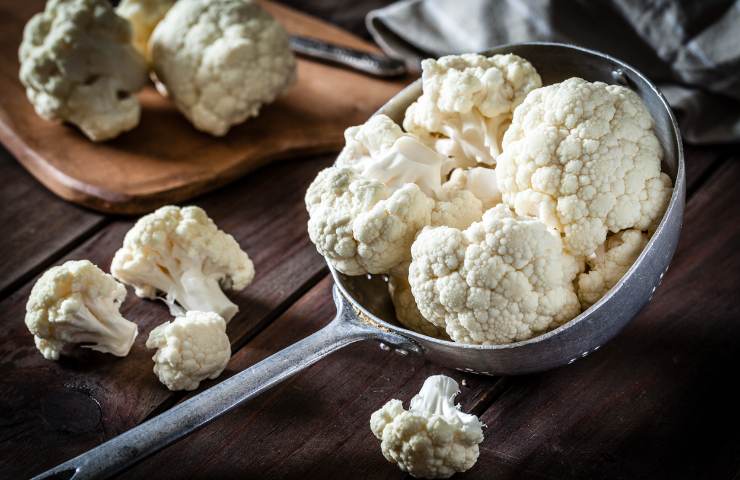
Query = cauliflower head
x=180 y=255
x=610 y=262
x=583 y=158
x=190 y=349
x=78 y=304
x=407 y=313
x=221 y=60
x=359 y=224
x=467 y=102
x=503 y=279
x=144 y=15
x=433 y=438
x=78 y=65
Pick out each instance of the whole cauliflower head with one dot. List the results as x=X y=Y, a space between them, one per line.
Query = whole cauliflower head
x=221 y=60
x=404 y=303
x=144 y=15
x=433 y=438
x=467 y=102
x=78 y=65
x=180 y=255
x=77 y=304
x=583 y=158
x=190 y=349
x=608 y=264
x=503 y=279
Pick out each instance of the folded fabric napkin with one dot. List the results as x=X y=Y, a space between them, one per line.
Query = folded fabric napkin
x=690 y=49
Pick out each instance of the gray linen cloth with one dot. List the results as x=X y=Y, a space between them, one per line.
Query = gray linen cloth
x=689 y=48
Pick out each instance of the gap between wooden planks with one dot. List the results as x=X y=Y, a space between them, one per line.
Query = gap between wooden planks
x=64 y=408
x=316 y=424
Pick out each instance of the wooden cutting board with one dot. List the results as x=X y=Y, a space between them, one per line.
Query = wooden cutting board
x=164 y=159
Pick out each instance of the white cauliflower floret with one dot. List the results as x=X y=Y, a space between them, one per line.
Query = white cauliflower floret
x=78 y=65
x=433 y=438
x=77 y=304
x=221 y=60
x=361 y=226
x=144 y=16
x=404 y=303
x=610 y=262
x=503 y=279
x=180 y=255
x=583 y=158
x=467 y=102
x=190 y=349
x=480 y=181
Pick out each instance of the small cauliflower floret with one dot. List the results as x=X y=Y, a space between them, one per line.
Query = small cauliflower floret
x=144 y=16
x=404 y=304
x=221 y=61
x=77 y=304
x=503 y=279
x=480 y=181
x=190 y=349
x=583 y=158
x=360 y=225
x=433 y=438
x=180 y=255
x=610 y=262
x=78 y=65
x=467 y=103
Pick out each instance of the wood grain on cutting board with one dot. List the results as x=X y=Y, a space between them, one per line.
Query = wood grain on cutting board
x=164 y=159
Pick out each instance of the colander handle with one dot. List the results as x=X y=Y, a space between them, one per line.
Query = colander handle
x=136 y=444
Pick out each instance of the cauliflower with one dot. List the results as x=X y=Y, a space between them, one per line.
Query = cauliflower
x=433 y=438
x=503 y=279
x=77 y=304
x=479 y=181
x=221 y=60
x=583 y=158
x=610 y=262
x=180 y=255
x=190 y=349
x=144 y=16
x=77 y=65
x=407 y=313
x=467 y=103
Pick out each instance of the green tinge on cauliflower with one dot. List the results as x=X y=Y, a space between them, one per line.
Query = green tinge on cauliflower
x=407 y=313
x=610 y=262
x=190 y=349
x=180 y=255
x=78 y=304
x=467 y=102
x=221 y=61
x=359 y=225
x=433 y=438
x=583 y=158
x=503 y=279
x=78 y=65
x=144 y=15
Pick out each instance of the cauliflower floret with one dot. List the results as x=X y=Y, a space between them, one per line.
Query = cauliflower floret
x=480 y=181
x=190 y=349
x=404 y=304
x=361 y=226
x=433 y=438
x=583 y=158
x=78 y=65
x=503 y=279
x=221 y=60
x=610 y=262
x=77 y=304
x=180 y=255
x=144 y=16
x=467 y=103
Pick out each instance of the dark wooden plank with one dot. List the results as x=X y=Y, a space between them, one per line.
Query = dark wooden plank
x=64 y=408
x=659 y=401
x=36 y=224
x=316 y=425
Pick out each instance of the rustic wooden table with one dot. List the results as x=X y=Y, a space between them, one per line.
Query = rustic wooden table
x=657 y=402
